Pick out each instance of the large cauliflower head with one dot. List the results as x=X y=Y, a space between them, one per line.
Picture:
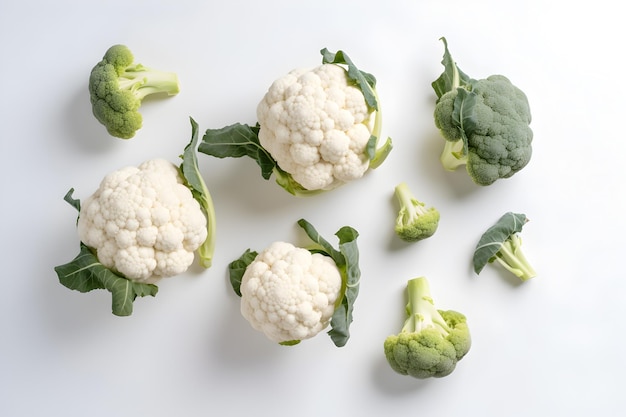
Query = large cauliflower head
x=143 y=222
x=289 y=293
x=316 y=125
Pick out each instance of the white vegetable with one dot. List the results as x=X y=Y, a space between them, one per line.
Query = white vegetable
x=316 y=125
x=143 y=222
x=289 y=293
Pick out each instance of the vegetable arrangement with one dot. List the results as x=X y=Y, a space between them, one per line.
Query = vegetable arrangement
x=317 y=129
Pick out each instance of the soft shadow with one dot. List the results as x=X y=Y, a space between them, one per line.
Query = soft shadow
x=392 y=384
x=82 y=128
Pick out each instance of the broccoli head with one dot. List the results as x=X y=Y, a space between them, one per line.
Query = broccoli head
x=431 y=341
x=485 y=124
x=415 y=221
x=117 y=86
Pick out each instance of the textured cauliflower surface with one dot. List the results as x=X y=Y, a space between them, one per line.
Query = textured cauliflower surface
x=288 y=293
x=143 y=222
x=316 y=125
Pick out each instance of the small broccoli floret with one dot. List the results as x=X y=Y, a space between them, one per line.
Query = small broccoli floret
x=431 y=341
x=117 y=87
x=485 y=124
x=415 y=221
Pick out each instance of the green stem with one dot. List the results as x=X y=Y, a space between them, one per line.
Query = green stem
x=511 y=257
x=421 y=309
x=452 y=155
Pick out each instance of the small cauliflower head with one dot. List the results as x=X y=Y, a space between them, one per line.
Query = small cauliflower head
x=289 y=293
x=316 y=125
x=143 y=222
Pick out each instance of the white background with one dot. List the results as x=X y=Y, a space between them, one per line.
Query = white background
x=551 y=346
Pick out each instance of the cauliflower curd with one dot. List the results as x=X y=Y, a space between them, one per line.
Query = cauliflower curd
x=316 y=125
x=289 y=293
x=143 y=222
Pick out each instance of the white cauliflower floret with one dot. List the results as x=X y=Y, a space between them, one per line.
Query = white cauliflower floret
x=316 y=124
x=289 y=293
x=143 y=222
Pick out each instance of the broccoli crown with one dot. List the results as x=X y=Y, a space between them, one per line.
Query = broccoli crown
x=414 y=221
x=431 y=341
x=491 y=117
x=117 y=87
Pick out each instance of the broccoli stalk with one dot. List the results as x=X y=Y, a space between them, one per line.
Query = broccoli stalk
x=512 y=258
x=414 y=221
x=431 y=341
x=421 y=310
x=143 y=81
x=452 y=155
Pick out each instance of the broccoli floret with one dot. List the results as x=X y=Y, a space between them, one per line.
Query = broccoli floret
x=502 y=243
x=415 y=221
x=485 y=123
x=117 y=86
x=431 y=341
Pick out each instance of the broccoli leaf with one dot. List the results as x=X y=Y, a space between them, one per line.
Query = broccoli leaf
x=237 y=268
x=464 y=115
x=492 y=240
x=347 y=260
x=235 y=141
x=195 y=182
x=365 y=81
x=452 y=76
x=85 y=273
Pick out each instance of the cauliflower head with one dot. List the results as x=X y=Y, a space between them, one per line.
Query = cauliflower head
x=143 y=222
x=289 y=293
x=316 y=124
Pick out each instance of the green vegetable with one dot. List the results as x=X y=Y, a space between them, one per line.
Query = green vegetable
x=415 y=221
x=117 y=86
x=346 y=258
x=306 y=113
x=86 y=272
x=485 y=123
x=195 y=182
x=431 y=341
x=502 y=243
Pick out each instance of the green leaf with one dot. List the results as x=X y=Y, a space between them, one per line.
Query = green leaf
x=452 y=76
x=71 y=200
x=342 y=317
x=238 y=267
x=236 y=141
x=347 y=260
x=323 y=245
x=85 y=273
x=193 y=178
x=492 y=240
x=464 y=115
x=365 y=81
